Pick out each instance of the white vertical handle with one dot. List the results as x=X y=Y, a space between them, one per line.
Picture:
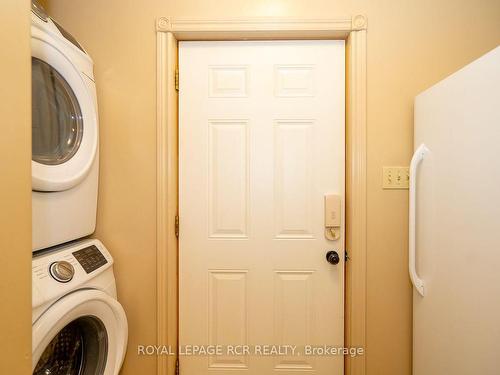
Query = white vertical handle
x=419 y=154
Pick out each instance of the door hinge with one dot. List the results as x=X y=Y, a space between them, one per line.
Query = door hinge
x=177 y=369
x=177 y=79
x=346 y=256
x=177 y=226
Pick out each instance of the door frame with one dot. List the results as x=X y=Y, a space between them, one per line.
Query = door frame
x=169 y=32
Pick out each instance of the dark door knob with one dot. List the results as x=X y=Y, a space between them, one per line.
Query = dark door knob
x=332 y=257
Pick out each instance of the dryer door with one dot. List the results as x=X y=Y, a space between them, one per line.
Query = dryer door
x=64 y=120
x=84 y=333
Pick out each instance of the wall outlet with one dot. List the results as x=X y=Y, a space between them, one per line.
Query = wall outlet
x=395 y=177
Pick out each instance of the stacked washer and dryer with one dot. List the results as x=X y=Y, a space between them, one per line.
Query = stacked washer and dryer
x=79 y=328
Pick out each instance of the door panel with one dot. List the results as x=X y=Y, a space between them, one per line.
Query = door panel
x=228 y=178
x=261 y=141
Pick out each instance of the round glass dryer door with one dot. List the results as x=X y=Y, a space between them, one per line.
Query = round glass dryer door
x=57 y=121
x=64 y=117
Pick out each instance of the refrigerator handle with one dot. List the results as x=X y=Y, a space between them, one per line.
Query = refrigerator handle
x=418 y=156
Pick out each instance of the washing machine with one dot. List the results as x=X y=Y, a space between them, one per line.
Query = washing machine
x=79 y=327
x=65 y=158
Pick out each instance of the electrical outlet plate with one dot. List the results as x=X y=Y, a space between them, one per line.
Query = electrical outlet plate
x=396 y=177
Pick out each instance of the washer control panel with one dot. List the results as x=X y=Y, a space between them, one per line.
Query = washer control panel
x=62 y=269
x=90 y=258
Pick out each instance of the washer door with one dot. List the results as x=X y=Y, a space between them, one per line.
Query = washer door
x=64 y=120
x=84 y=333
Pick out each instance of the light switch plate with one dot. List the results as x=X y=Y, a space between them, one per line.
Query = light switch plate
x=395 y=177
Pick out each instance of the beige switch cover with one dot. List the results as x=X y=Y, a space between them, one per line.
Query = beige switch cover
x=396 y=177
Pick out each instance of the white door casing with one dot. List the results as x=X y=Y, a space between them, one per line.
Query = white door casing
x=262 y=140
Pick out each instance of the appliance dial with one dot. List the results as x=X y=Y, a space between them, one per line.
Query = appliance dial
x=62 y=271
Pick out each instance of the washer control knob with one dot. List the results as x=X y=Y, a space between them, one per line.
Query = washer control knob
x=62 y=271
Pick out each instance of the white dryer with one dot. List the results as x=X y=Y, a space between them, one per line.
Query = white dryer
x=79 y=328
x=65 y=131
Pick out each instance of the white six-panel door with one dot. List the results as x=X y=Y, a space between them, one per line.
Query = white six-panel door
x=262 y=140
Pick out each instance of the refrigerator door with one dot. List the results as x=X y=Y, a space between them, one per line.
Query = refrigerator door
x=456 y=322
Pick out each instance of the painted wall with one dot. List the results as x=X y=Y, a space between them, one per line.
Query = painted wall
x=411 y=45
x=15 y=189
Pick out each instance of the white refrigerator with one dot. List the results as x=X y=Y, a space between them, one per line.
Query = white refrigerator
x=454 y=249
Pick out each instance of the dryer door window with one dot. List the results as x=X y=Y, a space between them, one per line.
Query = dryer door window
x=57 y=121
x=80 y=348
x=65 y=125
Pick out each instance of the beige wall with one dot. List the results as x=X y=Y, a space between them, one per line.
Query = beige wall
x=15 y=188
x=411 y=45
